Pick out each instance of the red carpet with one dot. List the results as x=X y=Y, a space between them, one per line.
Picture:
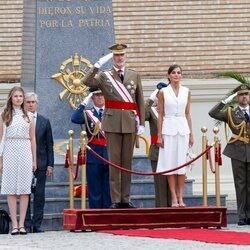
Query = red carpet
x=205 y=235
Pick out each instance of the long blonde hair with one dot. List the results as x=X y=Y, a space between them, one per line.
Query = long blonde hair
x=7 y=114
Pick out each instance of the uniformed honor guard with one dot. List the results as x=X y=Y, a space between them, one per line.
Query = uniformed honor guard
x=97 y=171
x=123 y=117
x=238 y=147
x=162 y=193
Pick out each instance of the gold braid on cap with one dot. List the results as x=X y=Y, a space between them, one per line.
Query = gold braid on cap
x=242 y=126
x=96 y=128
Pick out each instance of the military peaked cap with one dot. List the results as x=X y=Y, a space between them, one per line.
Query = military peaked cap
x=118 y=48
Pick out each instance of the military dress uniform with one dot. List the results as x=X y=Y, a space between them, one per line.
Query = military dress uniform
x=119 y=124
x=96 y=170
x=162 y=192
x=238 y=149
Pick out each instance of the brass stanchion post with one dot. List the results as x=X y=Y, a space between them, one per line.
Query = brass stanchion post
x=204 y=166
x=71 y=167
x=217 y=168
x=83 y=168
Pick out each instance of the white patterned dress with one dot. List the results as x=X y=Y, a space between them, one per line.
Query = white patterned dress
x=175 y=131
x=17 y=156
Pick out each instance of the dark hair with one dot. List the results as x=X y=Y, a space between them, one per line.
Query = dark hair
x=172 y=67
x=7 y=114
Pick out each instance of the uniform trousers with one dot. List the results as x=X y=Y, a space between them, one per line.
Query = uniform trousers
x=98 y=185
x=162 y=192
x=241 y=174
x=120 y=152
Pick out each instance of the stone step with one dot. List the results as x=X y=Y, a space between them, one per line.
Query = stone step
x=138 y=187
x=143 y=187
x=56 y=205
x=148 y=201
x=140 y=163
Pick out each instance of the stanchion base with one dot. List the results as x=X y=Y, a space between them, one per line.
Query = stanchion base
x=96 y=219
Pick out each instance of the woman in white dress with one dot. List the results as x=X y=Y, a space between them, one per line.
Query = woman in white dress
x=174 y=132
x=17 y=156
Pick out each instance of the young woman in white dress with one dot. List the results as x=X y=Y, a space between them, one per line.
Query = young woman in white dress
x=17 y=156
x=174 y=132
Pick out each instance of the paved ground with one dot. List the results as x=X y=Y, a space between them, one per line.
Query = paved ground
x=64 y=240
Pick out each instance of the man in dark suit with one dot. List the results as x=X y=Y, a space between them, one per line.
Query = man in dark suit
x=123 y=118
x=238 y=147
x=97 y=170
x=45 y=163
x=162 y=192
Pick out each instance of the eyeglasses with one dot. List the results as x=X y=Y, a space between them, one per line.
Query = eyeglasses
x=30 y=102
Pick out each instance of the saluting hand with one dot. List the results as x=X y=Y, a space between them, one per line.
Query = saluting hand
x=103 y=60
x=229 y=98
x=87 y=99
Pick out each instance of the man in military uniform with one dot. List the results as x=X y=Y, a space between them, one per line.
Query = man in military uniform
x=162 y=193
x=238 y=147
x=123 y=118
x=97 y=171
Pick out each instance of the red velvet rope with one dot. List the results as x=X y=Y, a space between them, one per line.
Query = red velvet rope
x=148 y=173
x=79 y=162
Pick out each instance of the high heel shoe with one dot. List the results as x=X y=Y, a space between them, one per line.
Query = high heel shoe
x=182 y=204
x=175 y=205
x=22 y=231
x=14 y=231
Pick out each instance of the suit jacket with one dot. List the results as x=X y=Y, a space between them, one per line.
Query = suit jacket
x=237 y=150
x=118 y=120
x=44 y=143
x=77 y=117
x=152 y=119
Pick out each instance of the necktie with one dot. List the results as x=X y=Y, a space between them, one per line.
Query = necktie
x=246 y=114
x=120 y=74
x=100 y=112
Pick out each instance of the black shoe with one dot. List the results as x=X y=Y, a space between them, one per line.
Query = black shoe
x=37 y=230
x=128 y=205
x=22 y=231
x=248 y=221
x=115 y=206
x=15 y=231
x=242 y=222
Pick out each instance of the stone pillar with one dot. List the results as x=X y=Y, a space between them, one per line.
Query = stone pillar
x=64 y=28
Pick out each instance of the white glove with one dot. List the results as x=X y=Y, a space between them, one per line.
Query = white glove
x=229 y=99
x=140 y=130
x=153 y=95
x=87 y=99
x=103 y=60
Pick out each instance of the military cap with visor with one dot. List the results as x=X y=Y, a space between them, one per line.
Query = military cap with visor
x=242 y=89
x=95 y=91
x=118 y=48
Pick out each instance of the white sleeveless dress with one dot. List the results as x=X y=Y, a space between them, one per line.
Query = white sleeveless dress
x=17 y=156
x=175 y=131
